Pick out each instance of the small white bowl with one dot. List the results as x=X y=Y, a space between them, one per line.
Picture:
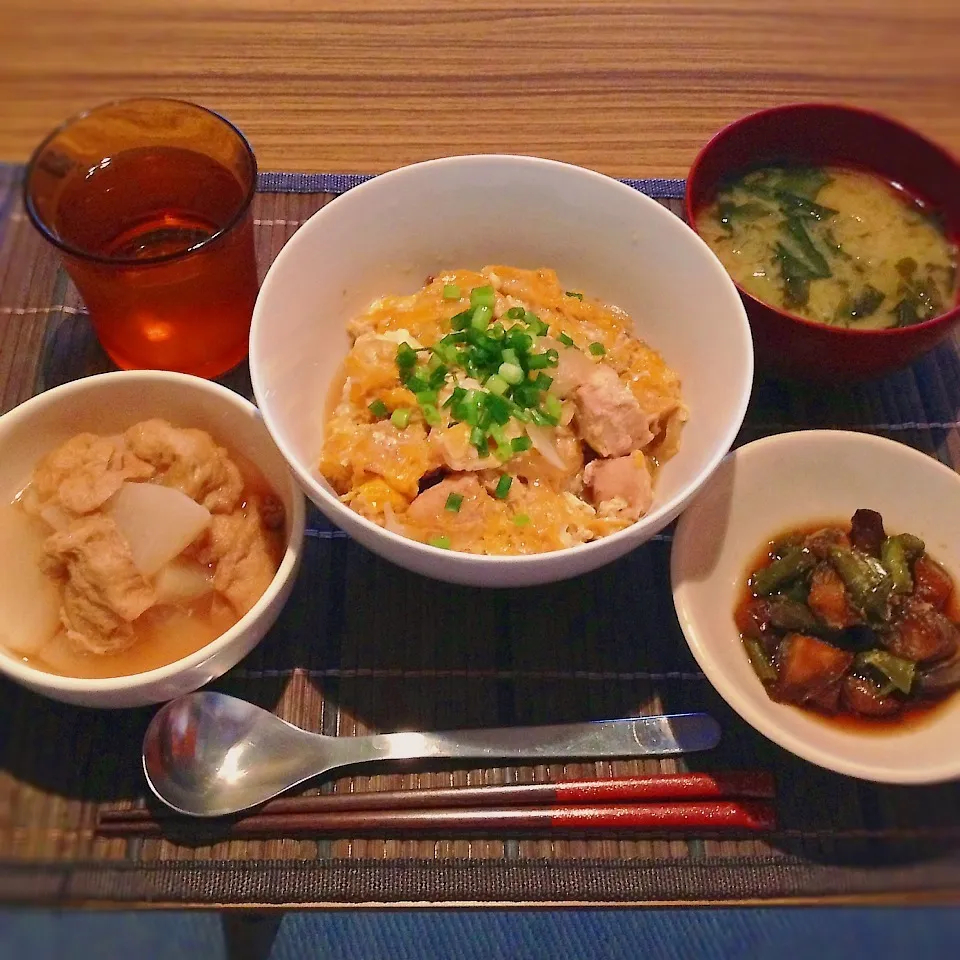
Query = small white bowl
x=112 y=402
x=387 y=235
x=795 y=479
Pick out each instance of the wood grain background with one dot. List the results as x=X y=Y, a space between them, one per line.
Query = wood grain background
x=351 y=85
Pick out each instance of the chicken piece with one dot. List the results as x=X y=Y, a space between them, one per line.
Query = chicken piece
x=862 y=696
x=103 y=590
x=626 y=479
x=807 y=666
x=429 y=510
x=920 y=632
x=240 y=550
x=828 y=599
x=82 y=474
x=189 y=460
x=609 y=416
x=573 y=368
x=931 y=583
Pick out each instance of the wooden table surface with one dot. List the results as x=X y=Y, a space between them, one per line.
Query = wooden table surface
x=630 y=88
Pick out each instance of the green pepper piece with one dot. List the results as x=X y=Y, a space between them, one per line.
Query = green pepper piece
x=898 y=670
x=897 y=554
x=894 y=559
x=791 y=615
x=866 y=580
x=762 y=665
x=793 y=564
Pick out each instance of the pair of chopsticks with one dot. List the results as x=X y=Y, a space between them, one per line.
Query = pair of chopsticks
x=680 y=803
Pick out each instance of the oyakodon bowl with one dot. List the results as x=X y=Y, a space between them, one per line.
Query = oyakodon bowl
x=111 y=402
x=601 y=236
x=832 y=134
x=795 y=480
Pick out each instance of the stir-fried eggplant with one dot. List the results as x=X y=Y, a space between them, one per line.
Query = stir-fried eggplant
x=851 y=622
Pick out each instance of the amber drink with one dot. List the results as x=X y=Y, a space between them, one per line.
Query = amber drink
x=149 y=204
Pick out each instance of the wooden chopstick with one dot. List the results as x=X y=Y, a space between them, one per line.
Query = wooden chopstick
x=685 y=801
x=704 y=817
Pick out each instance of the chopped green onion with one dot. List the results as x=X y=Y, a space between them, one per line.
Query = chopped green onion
x=503 y=487
x=461 y=321
x=497 y=385
x=552 y=407
x=478 y=438
x=456 y=397
x=415 y=383
x=425 y=397
x=518 y=340
x=510 y=356
x=400 y=417
x=597 y=349
x=553 y=357
x=543 y=381
x=442 y=542
x=519 y=444
x=406 y=356
x=438 y=376
x=521 y=519
x=498 y=408
x=537 y=361
x=471 y=403
x=503 y=449
x=574 y=294
x=496 y=331
x=379 y=409
x=526 y=395
x=510 y=373
x=431 y=414
x=482 y=297
x=481 y=317
x=454 y=502
x=565 y=340
x=537 y=417
x=535 y=323
x=451 y=291
x=515 y=313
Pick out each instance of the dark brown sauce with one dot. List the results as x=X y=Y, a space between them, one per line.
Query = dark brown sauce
x=915 y=713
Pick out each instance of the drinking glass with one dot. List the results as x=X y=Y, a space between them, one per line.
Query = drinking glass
x=148 y=201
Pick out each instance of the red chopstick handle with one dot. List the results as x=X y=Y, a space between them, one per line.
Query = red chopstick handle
x=747 y=784
x=669 y=817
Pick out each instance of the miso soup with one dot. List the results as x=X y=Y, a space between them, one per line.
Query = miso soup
x=834 y=245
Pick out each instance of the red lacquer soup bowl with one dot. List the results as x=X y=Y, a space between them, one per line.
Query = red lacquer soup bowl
x=832 y=134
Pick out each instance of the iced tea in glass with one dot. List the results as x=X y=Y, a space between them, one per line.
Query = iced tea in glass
x=149 y=203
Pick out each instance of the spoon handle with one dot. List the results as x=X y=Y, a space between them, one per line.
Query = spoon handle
x=630 y=737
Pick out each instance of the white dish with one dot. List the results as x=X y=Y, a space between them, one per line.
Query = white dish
x=766 y=488
x=114 y=401
x=602 y=237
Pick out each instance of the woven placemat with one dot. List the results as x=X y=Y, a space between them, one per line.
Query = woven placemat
x=365 y=646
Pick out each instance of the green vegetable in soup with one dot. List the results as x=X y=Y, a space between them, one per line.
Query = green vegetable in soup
x=836 y=246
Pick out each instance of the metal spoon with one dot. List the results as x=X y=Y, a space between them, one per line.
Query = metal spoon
x=208 y=755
